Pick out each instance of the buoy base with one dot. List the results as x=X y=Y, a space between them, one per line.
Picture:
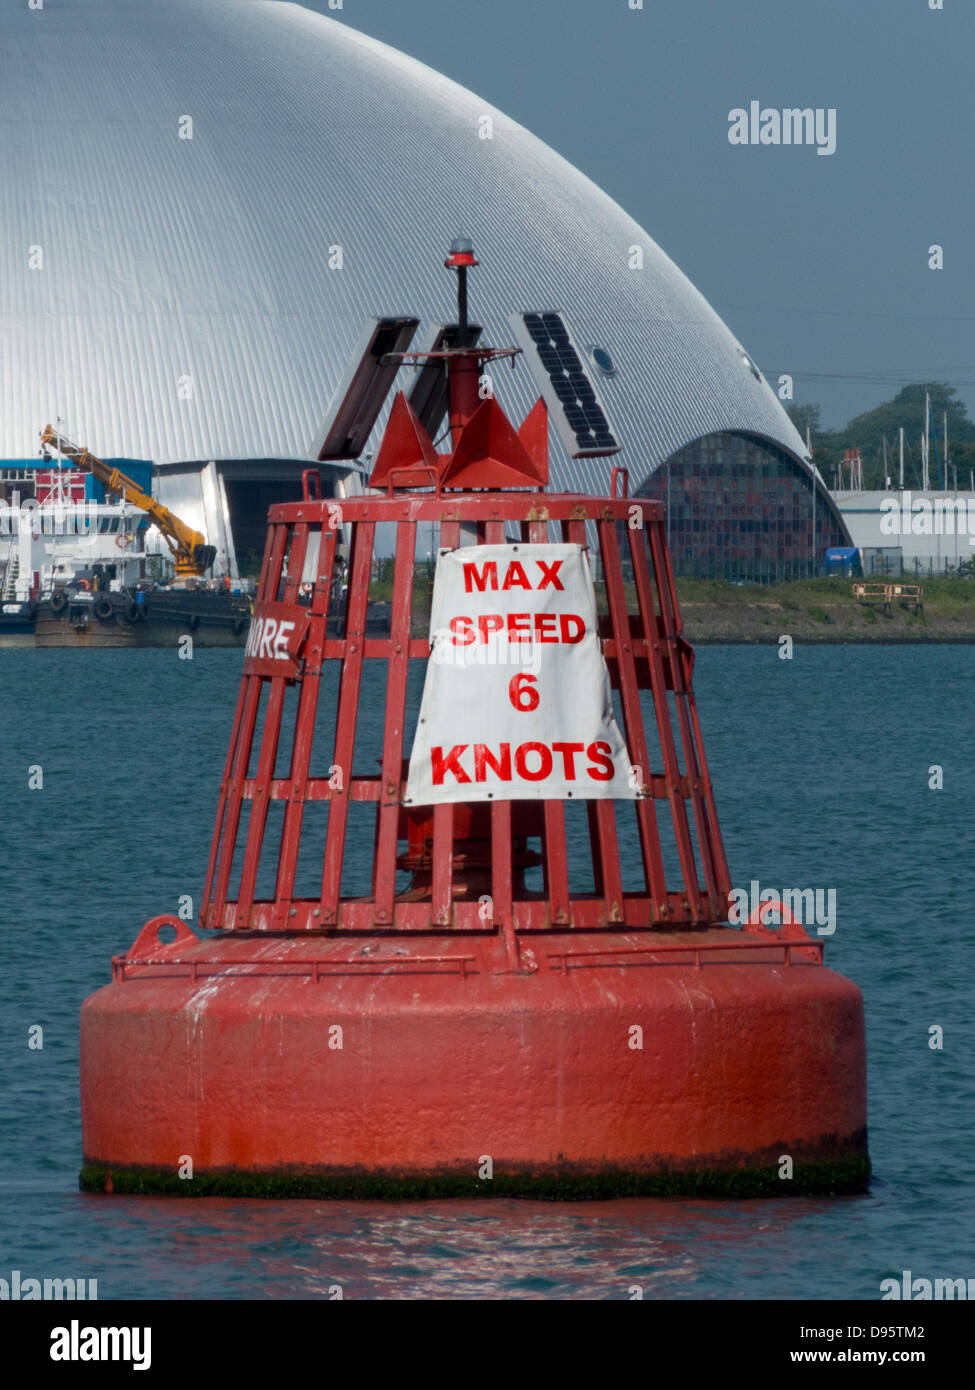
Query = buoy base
x=699 y=1063
x=830 y=1177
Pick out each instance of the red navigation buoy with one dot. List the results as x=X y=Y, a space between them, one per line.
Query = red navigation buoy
x=513 y=1006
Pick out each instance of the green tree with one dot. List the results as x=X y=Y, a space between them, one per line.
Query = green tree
x=866 y=432
x=803 y=416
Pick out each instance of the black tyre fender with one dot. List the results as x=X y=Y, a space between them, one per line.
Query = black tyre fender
x=103 y=609
x=142 y=612
x=193 y=621
x=59 y=601
x=240 y=625
x=132 y=613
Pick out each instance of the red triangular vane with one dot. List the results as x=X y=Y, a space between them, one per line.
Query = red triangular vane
x=406 y=445
x=490 y=454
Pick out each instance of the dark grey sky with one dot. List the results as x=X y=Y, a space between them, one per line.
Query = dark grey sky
x=819 y=264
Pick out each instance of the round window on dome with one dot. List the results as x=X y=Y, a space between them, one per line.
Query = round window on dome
x=601 y=359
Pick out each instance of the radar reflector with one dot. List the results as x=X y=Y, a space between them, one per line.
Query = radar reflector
x=359 y=397
x=563 y=379
x=428 y=395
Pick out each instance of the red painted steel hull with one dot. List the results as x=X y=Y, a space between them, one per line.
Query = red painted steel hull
x=387 y=1044
x=745 y=1058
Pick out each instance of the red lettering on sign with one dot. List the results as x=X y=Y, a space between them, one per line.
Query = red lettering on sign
x=550 y=574
x=596 y=753
x=487 y=580
x=549 y=627
x=522 y=692
x=463 y=630
x=498 y=761
x=516 y=578
x=451 y=763
x=568 y=751
x=488 y=623
x=500 y=765
x=545 y=759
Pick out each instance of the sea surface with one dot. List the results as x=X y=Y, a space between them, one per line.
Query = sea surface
x=821 y=770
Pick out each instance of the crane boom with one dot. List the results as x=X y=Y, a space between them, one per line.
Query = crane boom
x=192 y=557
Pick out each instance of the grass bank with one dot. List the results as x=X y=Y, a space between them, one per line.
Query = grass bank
x=823 y=610
x=808 y=610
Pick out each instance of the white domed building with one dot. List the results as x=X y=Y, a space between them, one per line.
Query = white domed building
x=205 y=199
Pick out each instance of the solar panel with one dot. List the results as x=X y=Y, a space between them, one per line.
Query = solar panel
x=428 y=395
x=563 y=379
x=359 y=397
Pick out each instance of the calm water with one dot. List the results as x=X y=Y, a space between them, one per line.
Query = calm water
x=821 y=772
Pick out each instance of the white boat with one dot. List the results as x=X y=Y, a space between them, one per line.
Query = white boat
x=76 y=572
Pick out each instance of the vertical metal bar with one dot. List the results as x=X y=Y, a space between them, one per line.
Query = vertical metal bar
x=235 y=736
x=262 y=794
x=636 y=740
x=441 y=892
x=684 y=702
x=235 y=795
x=442 y=874
x=502 y=883
x=264 y=578
x=254 y=847
x=556 y=855
x=595 y=850
x=708 y=829
x=218 y=828
x=603 y=839
x=556 y=863
x=305 y=724
x=348 y=712
x=267 y=587
x=678 y=808
x=387 y=832
x=502 y=886
x=607 y=872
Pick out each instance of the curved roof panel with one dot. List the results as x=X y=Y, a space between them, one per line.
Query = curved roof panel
x=171 y=298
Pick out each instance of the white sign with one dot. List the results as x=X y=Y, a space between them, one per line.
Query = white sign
x=516 y=704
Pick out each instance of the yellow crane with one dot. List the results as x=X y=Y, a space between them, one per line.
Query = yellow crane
x=192 y=557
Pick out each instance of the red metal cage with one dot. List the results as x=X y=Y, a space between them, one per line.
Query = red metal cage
x=469 y=865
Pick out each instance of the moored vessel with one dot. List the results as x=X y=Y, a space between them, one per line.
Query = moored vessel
x=76 y=571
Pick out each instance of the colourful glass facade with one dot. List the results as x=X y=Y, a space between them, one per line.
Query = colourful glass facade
x=741 y=508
